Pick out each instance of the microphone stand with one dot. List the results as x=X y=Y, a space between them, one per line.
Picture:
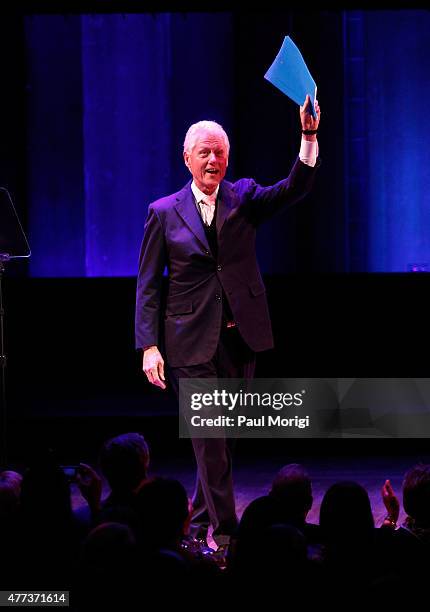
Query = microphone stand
x=3 y=409
x=13 y=245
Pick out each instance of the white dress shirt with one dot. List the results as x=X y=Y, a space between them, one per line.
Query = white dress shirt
x=206 y=203
x=309 y=152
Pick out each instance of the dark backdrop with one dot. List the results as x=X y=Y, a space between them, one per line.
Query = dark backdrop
x=82 y=158
x=95 y=107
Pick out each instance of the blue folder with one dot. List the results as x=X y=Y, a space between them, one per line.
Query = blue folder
x=290 y=74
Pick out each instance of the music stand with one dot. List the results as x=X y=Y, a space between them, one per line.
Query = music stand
x=13 y=245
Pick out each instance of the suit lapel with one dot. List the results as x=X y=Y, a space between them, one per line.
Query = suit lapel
x=187 y=209
x=224 y=205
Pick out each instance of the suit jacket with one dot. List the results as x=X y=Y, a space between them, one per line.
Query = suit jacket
x=174 y=237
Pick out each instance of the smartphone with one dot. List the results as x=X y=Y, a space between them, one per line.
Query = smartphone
x=70 y=471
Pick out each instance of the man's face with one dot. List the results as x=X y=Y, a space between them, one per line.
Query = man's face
x=207 y=161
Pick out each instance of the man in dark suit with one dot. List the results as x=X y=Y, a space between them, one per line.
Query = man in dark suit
x=216 y=315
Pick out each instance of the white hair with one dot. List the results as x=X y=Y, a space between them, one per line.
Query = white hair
x=207 y=126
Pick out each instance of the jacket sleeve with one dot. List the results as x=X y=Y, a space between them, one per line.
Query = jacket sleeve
x=264 y=202
x=152 y=261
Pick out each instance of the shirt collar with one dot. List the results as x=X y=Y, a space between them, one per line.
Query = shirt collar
x=199 y=195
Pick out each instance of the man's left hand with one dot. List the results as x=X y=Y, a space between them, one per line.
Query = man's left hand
x=306 y=117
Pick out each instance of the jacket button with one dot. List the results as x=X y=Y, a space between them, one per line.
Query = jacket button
x=218 y=297
x=219 y=268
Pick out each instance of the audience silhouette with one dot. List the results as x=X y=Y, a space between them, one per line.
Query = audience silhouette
x=136 y=542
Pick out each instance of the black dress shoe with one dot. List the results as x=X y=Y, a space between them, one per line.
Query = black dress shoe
x=220 y=555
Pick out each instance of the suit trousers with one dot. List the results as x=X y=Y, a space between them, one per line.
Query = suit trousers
x=213 y=499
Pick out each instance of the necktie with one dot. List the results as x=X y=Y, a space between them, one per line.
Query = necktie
x=208 y=208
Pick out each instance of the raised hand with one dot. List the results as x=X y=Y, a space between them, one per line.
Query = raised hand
x=306 y=117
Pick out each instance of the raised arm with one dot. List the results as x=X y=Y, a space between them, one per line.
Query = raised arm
x=264 y=202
